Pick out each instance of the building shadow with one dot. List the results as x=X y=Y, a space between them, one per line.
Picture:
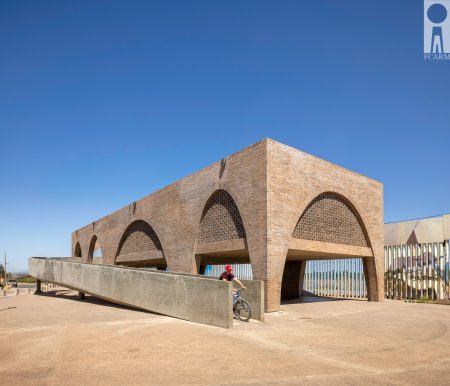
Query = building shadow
x=311 y=298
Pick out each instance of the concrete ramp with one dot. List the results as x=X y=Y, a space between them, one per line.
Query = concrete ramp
x=190 y=297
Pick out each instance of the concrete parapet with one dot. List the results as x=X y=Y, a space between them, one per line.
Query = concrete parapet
x=254 y=295
x=194 y=298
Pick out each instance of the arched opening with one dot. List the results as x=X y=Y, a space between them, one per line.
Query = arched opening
x=329 y=229
x=95 y=251
x=331 y=218
x=221 y=239
x=140 y=247
x=77 y=252
x=335 y=278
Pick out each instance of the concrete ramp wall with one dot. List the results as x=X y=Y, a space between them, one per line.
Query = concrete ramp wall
x=193 y=298
x=254 y=294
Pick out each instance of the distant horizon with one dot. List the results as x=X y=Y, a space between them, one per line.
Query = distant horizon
x=25 y=271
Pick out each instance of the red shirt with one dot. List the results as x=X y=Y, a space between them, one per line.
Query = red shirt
x=228 y=276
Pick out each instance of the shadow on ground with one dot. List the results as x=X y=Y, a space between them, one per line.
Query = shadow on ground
x=310 y=298
x=73 y=295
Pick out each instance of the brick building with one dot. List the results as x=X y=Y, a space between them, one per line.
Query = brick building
x=269 y=205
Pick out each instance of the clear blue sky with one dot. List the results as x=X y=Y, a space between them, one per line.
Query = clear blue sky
x=103 y=102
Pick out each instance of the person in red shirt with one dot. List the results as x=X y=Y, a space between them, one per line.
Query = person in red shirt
x=228 y=276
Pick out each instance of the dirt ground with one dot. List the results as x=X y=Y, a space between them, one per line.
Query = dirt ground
x=55 y=339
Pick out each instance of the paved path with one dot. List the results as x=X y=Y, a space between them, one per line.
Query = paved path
x=58 y=340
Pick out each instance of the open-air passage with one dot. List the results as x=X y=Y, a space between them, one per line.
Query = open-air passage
x=56 y=339
x=414 y=272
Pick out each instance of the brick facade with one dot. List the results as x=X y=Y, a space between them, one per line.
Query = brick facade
x=139 y=238
x=330 y=218
x=222 y=220
x=254 y=206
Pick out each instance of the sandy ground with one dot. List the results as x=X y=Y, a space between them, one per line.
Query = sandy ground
x=58 y=340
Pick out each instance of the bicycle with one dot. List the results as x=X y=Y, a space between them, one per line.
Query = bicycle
x=241 y=308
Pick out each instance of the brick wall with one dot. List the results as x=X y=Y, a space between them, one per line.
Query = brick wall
x=295 y=179
x=259 y=193
x=330 y=218
x=222 y=220
x=175 y=212
x=139 y=238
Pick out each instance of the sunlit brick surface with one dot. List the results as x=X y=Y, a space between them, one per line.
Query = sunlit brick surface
x=139 y=238
x=330 y=218
x=266 y=187
x=222 y=220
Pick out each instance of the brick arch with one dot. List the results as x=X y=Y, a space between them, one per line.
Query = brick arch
x=221 y=219
x=93 y=243
x=77 y=252
x=330 y=217
x=138 y=238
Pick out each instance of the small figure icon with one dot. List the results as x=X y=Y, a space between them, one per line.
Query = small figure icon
x=437 y=14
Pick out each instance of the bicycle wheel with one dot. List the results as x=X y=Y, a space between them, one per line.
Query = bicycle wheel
x=243 y=310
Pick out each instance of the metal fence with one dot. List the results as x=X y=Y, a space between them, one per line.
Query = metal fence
x=242 y=271
x=418 y=272
x=415 y=272
x=335 y=278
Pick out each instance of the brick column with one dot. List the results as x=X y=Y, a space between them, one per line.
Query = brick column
x=302 y=276
x=293 y=277
x=291 y=280
x=271 y=274
x=272 y=294
x=38 y=287
x=374 y=285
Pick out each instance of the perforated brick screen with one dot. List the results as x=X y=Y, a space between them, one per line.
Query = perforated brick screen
x=139 y=238
x=331 y=219
x=222 y=220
